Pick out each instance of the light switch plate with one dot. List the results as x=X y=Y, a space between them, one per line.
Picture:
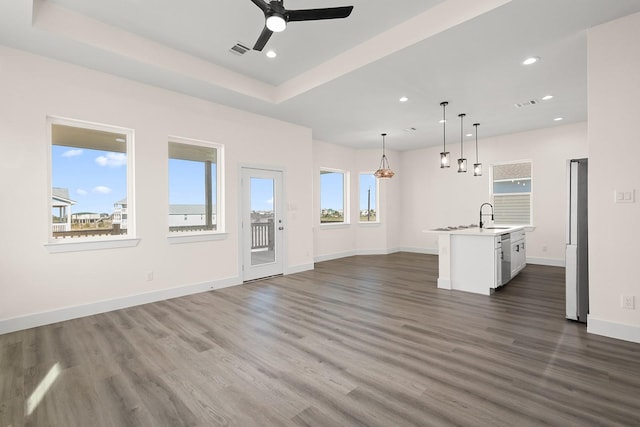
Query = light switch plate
x=624 y=196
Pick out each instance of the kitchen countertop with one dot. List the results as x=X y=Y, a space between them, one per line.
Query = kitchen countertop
x=474 y=231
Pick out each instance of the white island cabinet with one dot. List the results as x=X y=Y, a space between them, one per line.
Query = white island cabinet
x=479 y=261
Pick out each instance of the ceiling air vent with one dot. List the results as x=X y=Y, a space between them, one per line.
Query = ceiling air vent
x=528 y=103
x=239 y=49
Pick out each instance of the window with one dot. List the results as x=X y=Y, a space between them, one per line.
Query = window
x=90 y=180
x=332 y=197
x=512 y=193
x=368 y=198
x=194 y=193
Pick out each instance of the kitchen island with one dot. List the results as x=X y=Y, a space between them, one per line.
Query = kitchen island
x=479 y=260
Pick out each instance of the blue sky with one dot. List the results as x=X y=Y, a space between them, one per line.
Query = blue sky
x=95 y=179
x=367 y=181
x=261 y=194
x=332 y=190
x=186 y=182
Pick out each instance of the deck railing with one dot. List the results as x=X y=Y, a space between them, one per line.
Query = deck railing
x=59 y=227
x=262 y=235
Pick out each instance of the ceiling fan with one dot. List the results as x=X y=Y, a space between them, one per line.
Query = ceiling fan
x=276 y=17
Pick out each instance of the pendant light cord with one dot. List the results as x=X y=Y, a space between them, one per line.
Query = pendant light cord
x=444 y=125
x=476 y=126
x=461 y=115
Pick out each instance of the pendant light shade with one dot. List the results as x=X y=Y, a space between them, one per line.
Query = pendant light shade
x=384 y=171
x=477 y=166
x=462 y=162
x=444 y=156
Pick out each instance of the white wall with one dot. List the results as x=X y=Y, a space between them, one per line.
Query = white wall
x=433 y=197
x=614 y=153
x=334 y=241
x=33 y=281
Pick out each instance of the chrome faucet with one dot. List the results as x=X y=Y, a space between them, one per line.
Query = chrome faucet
x=481 y=214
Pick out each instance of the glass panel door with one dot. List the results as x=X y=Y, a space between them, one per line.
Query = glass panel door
x=262 y=223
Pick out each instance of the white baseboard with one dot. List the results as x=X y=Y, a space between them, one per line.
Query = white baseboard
x=299 y=268
x=337 y=255
x=74 y=312
x=552 y=262
x=426 y=251
x=621 y=331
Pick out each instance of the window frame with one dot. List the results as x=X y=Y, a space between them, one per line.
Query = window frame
x=219 y=233
x=82 y=243
x=377 y=195
x=345 y=197
x=530 y=193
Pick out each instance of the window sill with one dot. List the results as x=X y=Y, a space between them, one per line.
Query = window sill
x=89 y=245
x=195 y=237
x=369 y=223
x=329 y=226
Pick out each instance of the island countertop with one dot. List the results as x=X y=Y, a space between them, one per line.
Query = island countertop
x=474 y=230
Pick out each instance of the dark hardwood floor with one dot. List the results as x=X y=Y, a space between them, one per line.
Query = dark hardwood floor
x=359 y=341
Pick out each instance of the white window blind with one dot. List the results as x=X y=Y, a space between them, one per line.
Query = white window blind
x=512 y=193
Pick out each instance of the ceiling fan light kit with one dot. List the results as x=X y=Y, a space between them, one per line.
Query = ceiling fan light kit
x=276 y=23
x=276 y=17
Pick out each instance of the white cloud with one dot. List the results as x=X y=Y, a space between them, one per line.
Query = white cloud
x=72 y=153
x=82 y=192
x=270 y=201
x=101 y=189
x=112 y=160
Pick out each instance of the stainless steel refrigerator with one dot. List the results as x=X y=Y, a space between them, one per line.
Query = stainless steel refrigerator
x=577 y=247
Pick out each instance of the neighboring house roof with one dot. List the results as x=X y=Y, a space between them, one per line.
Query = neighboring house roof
x=86 y=215
x=122 y=202
x=188 y=209
x=61 y=195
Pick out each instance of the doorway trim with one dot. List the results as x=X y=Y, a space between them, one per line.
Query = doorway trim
x=284 y=215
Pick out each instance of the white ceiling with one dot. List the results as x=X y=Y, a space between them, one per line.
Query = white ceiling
x=343 y=77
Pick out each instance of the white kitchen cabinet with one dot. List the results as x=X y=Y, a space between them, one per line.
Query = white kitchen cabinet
x=471 y=259
x=498 y=267
x=518 y=253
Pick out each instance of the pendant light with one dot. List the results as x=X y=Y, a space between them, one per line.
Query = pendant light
x=384 y=171
x=477 y=166
x=444 y=156
x=462 y=162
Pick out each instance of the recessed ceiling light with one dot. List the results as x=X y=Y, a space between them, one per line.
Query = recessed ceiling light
x=442 y=121
x=547 y=97
x=469 y=134
x=557 y=119
x=121 y=140
x=271 y=54
x=404 y=99
x=531 y=60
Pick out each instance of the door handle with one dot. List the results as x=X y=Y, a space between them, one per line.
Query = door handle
x=280 y=228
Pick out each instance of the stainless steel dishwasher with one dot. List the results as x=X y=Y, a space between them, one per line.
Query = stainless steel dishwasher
x=506 y=258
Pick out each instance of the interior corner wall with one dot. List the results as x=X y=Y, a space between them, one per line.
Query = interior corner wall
x=34 y=282
x=614 y=152
x=340 y=240
x=434 y=197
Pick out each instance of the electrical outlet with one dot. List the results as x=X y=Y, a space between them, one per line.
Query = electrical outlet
x=628 y=302
x=149 y=276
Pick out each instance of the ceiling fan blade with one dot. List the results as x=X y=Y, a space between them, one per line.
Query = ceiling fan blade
x=316 y=14
x=263 y=39
x=261 y=4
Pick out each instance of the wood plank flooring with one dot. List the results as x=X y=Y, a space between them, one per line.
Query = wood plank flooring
x=359 y=341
